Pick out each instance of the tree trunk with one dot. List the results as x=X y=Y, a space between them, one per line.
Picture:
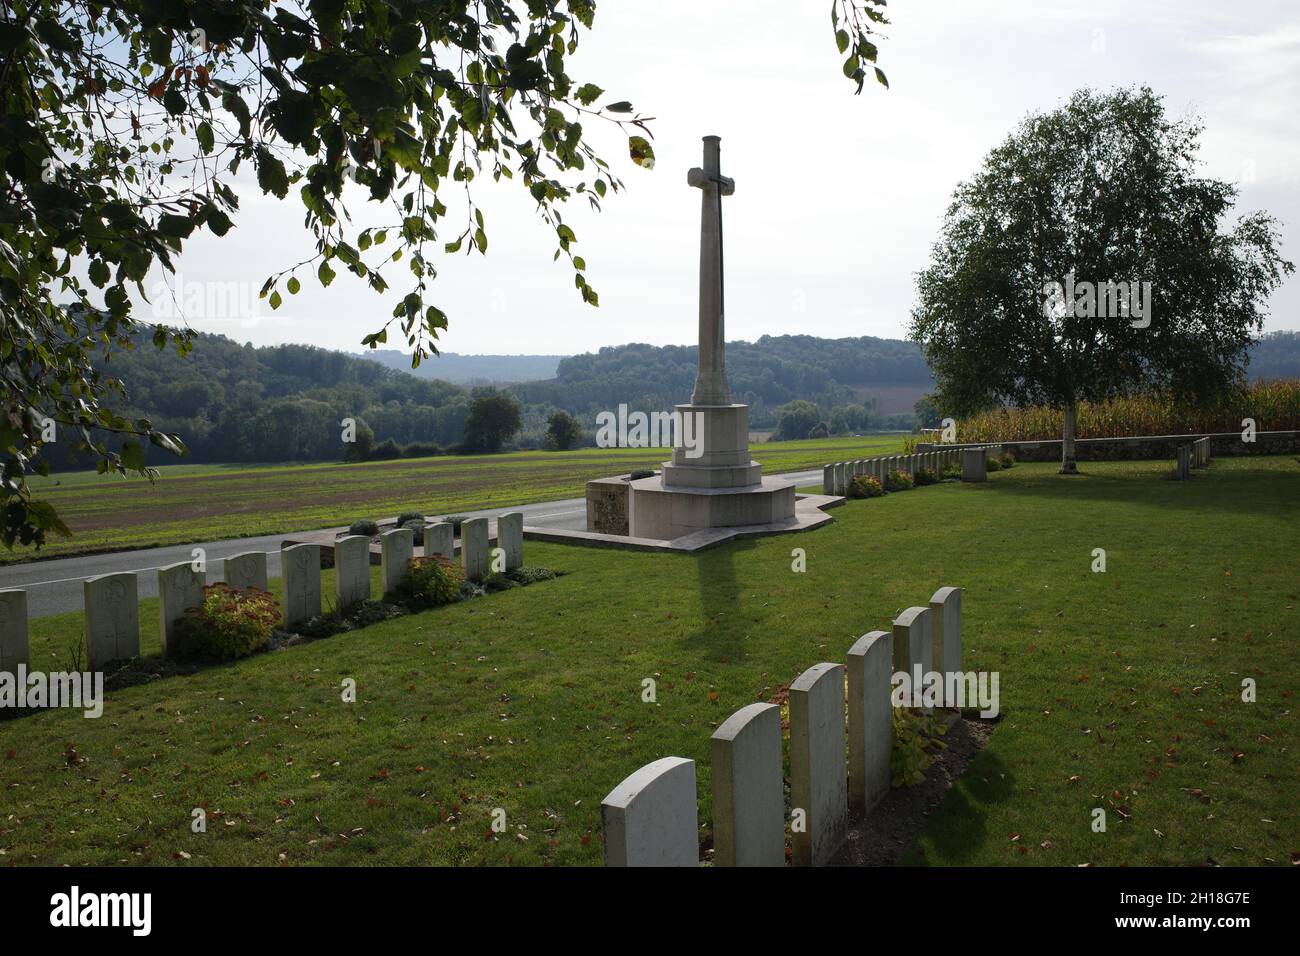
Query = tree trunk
x=1068 y=467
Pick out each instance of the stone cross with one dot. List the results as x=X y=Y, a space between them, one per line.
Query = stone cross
x=711 y=380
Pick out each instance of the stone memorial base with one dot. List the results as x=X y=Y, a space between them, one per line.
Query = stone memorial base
x=711 y=481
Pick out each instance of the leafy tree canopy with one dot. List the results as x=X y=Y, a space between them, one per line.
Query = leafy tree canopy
x=125 y=125
x=1103 y=190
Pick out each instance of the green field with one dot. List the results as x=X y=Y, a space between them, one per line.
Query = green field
x=1119 y=690
x=214 y=502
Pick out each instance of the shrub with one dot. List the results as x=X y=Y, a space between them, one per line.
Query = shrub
x=421 y=449
x=898 y=481
x=865 y=486
x=499 y=581
x=926 y=476
x=950 y=472
x=415 y=525
x=364 y=526
x=994 y=464
x=909 y=445
x=228 y=623
x=916 y=741
x=430 y=581
x=529 y=575
x=456 y=522
x=406 y=516
x=386 y=451
x=1006 y=460
x=641 y=473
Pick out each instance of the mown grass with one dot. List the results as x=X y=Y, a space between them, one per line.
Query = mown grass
x=1119 y=690
x=192 y=503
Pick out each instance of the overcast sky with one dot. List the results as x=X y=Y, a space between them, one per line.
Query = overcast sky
x=838 y=197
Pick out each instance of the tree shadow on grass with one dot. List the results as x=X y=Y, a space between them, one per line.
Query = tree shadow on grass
x=1153 y=487
x=957 y=827
x=720 y=632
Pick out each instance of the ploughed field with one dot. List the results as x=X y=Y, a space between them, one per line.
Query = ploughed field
x=190 y=503
x=1120 y=690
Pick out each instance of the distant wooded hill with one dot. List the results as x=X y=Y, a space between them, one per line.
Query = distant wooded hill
x=240 y=403
x=470 y=369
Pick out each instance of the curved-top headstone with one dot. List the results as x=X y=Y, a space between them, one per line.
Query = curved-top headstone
x=112 y=618
x=246 y=570
x=300 y=568
x=14 y=649
x=351 y=570
x=179 y=587
x=510 y=538
x=650 y=818
x=818 y=777
x=945 y=621
x=871 y=719
x=748 y=794
x=474 y=548
x=397 y=547
x=440 y=538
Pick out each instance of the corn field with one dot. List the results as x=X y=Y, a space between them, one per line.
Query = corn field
x=1275 y=406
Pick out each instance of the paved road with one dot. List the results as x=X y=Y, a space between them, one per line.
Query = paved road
x=55 y=586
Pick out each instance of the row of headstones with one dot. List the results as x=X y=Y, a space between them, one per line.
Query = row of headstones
x=1194 y=455
x=112 y=613
x=651 y=817
x=837 y=477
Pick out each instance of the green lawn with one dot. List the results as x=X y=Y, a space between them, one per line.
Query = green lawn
x=1119 y=690
x=212 y=502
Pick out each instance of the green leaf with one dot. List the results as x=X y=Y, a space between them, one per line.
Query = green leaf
x=842 y=39
x=588 y=93
x=641 y=152
x=325 y=274
x=622 y=106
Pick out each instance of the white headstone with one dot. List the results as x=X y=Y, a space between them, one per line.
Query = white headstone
x=112 y=618
x=828 y=479
x=14 y=648
x=818 y=777
x=300 y=567
x=650 y=819
x=179 y=587
x=748 y=793
x=440 y=538
x=397 y=547
x=510 y=538
x=474 y=548
x=247 y=570
x=945 y=620
x=351 y=570
x=914 y=643
x=871 y=720
x=974 y=464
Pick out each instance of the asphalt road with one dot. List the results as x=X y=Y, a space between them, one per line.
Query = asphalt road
x=55 y=586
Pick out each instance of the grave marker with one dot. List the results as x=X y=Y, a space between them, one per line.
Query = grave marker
x=474 y=548
x=300 y=568
x=650 y=818
x=396 y=547
x=14 y=647
x=351 y=570
x=871 y=720
x=179 y=587
x=440 y=538
x=818 y=783
x=246 y=570
x=112 y=618
x=510 y=538
x=748 y=796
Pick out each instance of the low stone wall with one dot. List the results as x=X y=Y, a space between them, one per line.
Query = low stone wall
x=1222 y=444
x=607 y=504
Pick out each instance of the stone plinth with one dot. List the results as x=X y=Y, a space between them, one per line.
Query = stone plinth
x=663 y=512
x=718 y=456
